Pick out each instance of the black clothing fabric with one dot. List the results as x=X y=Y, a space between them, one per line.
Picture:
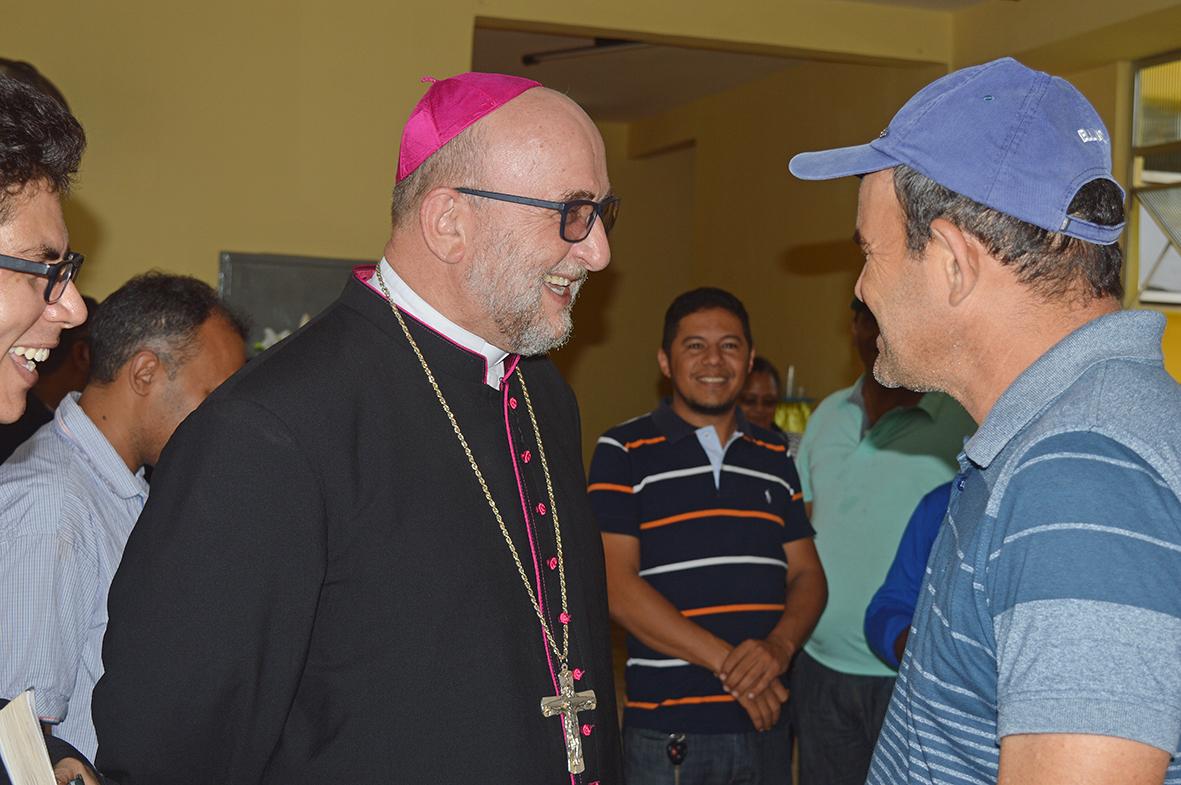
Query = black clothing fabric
x=13 y=435
x=317 y=591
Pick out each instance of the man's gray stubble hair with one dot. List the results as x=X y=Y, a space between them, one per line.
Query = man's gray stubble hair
x=455 y=164
x=1053 y=265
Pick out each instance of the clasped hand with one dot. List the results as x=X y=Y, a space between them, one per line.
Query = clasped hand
x=751 y=674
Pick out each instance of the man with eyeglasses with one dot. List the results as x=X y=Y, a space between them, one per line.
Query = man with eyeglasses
x=369 y=557
x=40 y=148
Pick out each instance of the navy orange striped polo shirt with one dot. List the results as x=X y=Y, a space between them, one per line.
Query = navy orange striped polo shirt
x=715 y=551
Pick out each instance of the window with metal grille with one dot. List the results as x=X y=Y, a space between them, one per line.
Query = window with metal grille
x=1156 y=181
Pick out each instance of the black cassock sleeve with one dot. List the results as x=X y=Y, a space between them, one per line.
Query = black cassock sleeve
x=212 y=607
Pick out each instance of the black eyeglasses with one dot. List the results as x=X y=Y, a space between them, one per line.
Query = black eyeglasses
x=578 y=215
x=59 y=273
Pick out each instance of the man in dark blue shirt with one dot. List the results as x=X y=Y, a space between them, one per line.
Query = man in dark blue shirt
x=710 y=562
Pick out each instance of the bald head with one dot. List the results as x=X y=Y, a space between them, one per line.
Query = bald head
x=535 y=134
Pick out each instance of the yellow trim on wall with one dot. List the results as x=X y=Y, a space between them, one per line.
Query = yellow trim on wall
x=1171 y=345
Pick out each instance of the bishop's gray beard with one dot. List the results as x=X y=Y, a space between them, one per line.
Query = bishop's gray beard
x=511 y=294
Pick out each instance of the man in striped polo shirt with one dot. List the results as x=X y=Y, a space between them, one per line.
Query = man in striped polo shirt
x=1047 y=636
x=710 y=562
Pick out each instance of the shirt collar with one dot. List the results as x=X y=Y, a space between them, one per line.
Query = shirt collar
x=409 y=301
x=1123 y=334
x=98 y=452
x=930 y=403
x=674 y=428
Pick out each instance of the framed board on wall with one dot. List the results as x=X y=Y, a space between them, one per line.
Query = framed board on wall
x=279 y=293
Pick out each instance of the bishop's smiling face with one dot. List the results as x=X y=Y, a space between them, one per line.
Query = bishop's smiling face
x=522 y=272
x=529 y=302
x=707 y=363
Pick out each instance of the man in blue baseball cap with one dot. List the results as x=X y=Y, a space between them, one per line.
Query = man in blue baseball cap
x=1046 y=639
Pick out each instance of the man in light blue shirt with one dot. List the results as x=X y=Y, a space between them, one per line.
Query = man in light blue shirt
x=868 y=455
x=70 y=495
x=1046 y=638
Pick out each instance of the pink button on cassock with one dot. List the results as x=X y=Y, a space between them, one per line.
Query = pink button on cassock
x=527 y=456
x=586 y=729
x=541 y=508
x=553 y=565
x=578 y=674
x=564 y=617
x=512 y=403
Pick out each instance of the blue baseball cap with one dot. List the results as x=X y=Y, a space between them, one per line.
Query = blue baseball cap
x=1017 y=140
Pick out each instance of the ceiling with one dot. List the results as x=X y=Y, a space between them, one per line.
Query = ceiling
x=623 y=84
x=629 y=83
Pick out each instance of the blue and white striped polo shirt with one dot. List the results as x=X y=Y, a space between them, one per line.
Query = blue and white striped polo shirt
x=715 y=550
x=1052 y=602
x=67 y=505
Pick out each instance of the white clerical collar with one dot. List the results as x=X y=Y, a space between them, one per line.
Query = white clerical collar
x=408 y=300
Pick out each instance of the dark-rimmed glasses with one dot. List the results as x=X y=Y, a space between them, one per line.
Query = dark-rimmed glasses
x=578 y=215
x=59 y=274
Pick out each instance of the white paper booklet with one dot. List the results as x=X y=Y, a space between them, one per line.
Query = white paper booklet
x=22 y=745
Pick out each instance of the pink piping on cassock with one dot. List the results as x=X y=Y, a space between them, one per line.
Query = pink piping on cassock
x=528 y=528
x=365 y=274
x=512 y=451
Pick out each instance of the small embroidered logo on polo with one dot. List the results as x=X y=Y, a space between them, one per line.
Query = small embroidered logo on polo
x=1091 y=135
x=767 y=493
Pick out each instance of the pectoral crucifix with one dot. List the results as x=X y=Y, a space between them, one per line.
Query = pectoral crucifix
x=568 y=703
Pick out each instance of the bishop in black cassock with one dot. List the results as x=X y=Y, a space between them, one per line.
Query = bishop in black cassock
x=318 y=592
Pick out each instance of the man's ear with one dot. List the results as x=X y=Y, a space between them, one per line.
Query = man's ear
x=662 y=361
x=80 y=356
x=445 y=222
x=751 y=363
x=960 y=258
x=143 y=368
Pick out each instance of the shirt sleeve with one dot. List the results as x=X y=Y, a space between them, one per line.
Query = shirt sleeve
x=610 y=489
x=892 y=608
x=796 y=525
x=1084 y=588
x=49 y=582
x=211 y=611
x=801 y=465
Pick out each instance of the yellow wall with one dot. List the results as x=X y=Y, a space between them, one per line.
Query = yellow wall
x=1108 y=88
x=708 y=201
x=1058 y=36
x=1172 y=345
x=822 y=29
x=611 y=362
x=273 y=126
x=783 y=245
x=223 y=125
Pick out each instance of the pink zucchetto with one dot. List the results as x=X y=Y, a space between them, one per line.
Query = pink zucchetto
x=449 y=106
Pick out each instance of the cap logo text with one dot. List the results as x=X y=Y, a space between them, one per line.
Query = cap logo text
x=1091 y=135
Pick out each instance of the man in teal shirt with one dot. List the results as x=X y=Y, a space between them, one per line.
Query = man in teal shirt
x=868 y=456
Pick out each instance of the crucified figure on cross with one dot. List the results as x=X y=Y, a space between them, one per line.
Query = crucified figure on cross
x=568 y=703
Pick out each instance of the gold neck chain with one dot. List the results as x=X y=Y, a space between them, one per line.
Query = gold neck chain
x=562 y=654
